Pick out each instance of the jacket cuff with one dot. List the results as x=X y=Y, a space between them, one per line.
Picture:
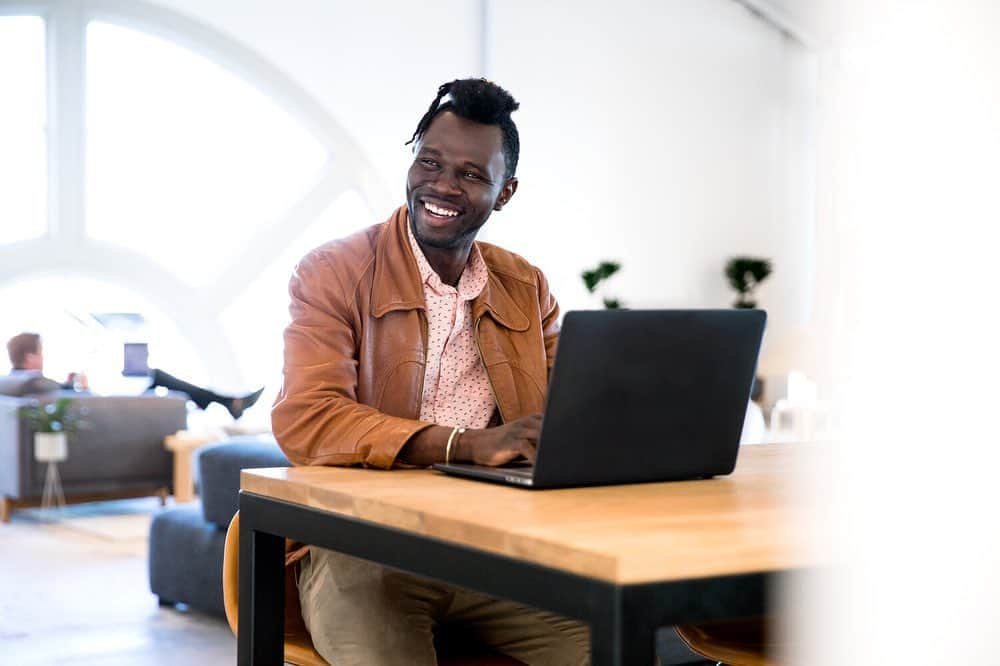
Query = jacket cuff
x=381 y=445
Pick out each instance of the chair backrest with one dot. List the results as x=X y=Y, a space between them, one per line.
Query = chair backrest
x=231 y=573
x=744 y=642
x=299 y=649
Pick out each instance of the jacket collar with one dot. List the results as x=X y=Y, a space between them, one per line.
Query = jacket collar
x=397 y=286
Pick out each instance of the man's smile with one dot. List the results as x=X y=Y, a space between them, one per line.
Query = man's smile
x=439 y=211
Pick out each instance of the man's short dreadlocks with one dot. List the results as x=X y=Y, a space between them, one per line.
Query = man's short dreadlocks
x=483 y=102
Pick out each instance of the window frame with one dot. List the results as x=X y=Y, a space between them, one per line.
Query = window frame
x=65 y=248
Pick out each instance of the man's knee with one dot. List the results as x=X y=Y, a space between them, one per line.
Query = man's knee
x=570 y=646
x=356 y=617
x=549 y=640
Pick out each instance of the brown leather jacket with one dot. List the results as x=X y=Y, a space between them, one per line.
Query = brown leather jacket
x=355 y=350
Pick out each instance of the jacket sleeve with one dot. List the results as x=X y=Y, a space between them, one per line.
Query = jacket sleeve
x=550 y=320
x=316 y=418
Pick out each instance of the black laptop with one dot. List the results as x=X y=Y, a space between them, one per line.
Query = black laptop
x=641 y=395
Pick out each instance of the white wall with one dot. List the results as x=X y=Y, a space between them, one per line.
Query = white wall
x=374 y=65
x=668 y=135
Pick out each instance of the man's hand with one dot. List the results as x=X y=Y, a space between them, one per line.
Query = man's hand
x=500 y=445
x=490 y=446
x=77 y=380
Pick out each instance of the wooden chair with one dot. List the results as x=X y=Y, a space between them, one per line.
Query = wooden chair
x=739 y=643
x=299 y=649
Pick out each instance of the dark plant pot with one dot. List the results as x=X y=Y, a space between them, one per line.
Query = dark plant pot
x=745 y=305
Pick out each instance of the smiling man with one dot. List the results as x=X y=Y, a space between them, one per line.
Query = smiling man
x=411 y=343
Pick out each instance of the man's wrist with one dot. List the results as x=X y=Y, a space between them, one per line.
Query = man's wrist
x=464 y=445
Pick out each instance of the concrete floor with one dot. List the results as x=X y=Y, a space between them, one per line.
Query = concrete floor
x=76 y=592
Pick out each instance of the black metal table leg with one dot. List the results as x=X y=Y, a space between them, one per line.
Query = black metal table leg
x=622 y=634
x=261 y=637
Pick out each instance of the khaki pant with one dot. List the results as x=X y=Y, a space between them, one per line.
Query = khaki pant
x=363 y=614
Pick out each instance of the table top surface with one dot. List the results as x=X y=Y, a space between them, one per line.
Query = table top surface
x=747 y=522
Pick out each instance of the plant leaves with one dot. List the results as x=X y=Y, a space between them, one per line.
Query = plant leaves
x=608 y=268
x=604 y=270
x=55 y=416
x=745 y=273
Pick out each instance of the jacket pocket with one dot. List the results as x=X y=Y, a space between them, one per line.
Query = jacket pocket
x=398 y=389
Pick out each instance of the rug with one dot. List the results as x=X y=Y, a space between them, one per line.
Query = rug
x=114 y=521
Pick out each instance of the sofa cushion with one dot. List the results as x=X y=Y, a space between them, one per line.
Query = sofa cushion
x=219 y=468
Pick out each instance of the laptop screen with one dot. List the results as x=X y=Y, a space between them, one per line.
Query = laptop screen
x=136 y=358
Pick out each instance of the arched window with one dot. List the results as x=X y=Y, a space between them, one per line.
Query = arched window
x=22 y=128
x=153 y=166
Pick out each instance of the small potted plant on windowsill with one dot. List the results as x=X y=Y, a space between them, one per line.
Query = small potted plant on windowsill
x=595 y=276
x=744 y=274
x=52 y=422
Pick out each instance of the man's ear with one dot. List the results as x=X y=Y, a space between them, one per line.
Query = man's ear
x=506 y=193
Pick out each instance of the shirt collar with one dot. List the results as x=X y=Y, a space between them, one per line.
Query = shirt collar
x=470 y=284
x=396 y=281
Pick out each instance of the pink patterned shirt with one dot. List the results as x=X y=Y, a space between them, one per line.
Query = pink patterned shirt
x=456 y=388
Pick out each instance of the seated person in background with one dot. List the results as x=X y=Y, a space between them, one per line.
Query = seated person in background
x=412 y=344
x=25 y=352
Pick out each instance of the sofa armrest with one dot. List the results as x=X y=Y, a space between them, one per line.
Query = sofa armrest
x=14 y=433
x=219 y=468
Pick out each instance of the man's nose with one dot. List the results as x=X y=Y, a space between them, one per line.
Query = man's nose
x=446 y=182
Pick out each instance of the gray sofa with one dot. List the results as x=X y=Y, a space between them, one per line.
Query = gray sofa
x=116 y=452
x=187 y=542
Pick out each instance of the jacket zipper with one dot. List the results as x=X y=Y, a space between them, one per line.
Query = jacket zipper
x=489 y=379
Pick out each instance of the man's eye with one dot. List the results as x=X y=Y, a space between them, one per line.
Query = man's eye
x=428 y=162
x=473 y=175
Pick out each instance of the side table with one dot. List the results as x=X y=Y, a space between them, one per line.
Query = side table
x=183 y=444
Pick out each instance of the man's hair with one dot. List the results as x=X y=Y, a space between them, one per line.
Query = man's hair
x=483 y=102
x=19 y=346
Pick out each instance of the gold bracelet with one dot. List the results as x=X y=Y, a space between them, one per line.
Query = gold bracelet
x=452 y=438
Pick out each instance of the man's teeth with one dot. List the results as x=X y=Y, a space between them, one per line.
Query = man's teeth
x=437 y=210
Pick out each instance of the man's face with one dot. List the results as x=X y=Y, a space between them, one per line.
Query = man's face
x=456 y=181
x=34 y=360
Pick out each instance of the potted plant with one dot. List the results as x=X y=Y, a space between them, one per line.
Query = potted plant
x=595 y=276
x=744 y=274
x=51 y=423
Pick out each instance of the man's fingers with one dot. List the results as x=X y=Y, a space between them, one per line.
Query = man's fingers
x=529 y=450
x=530 y=427
x=503 y=457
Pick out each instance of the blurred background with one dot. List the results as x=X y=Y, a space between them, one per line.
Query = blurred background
x=174 y=160
x=164 y=165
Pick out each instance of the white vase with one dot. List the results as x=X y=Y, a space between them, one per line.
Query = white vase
x=50 y=446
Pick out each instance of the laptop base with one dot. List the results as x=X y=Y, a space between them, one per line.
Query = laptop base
x=515 y=476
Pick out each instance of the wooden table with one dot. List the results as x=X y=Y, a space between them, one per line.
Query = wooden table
x=626 y=559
